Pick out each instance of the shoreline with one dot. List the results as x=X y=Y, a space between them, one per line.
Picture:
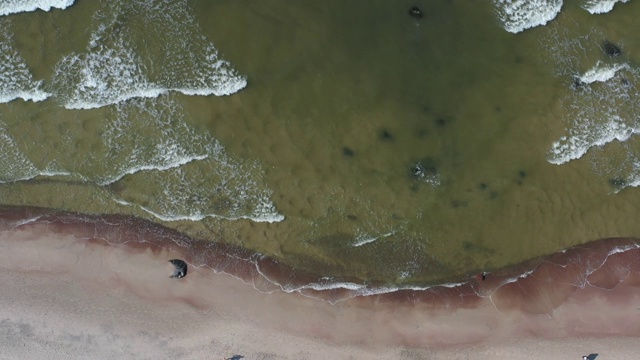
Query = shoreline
x=78 y=274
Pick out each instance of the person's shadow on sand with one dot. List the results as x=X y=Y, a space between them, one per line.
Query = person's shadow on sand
x=238 y=357
x=590 y=357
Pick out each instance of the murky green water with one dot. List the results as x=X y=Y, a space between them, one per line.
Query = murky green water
x=344 y=99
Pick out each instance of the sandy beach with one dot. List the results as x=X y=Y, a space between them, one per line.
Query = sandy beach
x=79 y=287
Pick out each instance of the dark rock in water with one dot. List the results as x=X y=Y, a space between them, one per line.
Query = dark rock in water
x=617 y=182
x=482 y=186
x=386 y=135
x=426 y=167
x=416 y=13
x=347 y=151
x=352 y=217
x=180 y=268
x=625 y=82
x=459 y=203
x=577 y=83
x=611 y=49
x=417 y=171
x=522 y=174
x=422 y=133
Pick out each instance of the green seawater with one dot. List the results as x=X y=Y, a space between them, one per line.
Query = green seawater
x=398 y=150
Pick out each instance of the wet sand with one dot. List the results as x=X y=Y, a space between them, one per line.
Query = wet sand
x=77 y=286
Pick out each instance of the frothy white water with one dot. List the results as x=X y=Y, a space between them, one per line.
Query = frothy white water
x=107 y=75
x=115 y=68
x=187 y=175
x=601 y=72
x=14 y=164
x=589 y=135
x=599 y=112
x=16 y=80
x=519 y=15
x=364 y=239
x=600 y=6
x=17 y=6
x=147 y=157
x=602 y=108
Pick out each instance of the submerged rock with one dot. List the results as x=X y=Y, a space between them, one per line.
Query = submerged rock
x=385 y=135
x=611 y=49
x=417 y=170
x=617 y=182
x=416 y=13
x=180 y=270
x=426 y=170
x=577 y=83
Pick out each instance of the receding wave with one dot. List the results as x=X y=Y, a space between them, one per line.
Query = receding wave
x=18 y=6
x=520 y=15
x=16 y=80
x=600 y=6
x=155 y=162
x=539 y=286
x=115 y=68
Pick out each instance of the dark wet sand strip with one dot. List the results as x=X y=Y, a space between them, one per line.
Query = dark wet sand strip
x=75 y=285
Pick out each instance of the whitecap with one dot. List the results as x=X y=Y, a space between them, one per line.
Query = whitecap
x=519 y=15
x=115 y=68
x=16 y=80
x=18 y=6
x=601 y=72
x=364 y=239
x=600 y=6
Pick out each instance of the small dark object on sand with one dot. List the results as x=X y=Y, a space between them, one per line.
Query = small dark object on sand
x=416 y=13
x=180 y=269
x=590 y=357
x=235 y=357
x=611 y=49
x=482 y=276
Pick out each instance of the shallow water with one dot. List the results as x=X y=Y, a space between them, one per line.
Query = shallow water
x=345 y=139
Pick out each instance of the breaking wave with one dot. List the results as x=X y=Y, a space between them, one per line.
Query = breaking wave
x=520 y=15
x=115 y=68
x=17 y=6
x=16 y=80
x=600 y=6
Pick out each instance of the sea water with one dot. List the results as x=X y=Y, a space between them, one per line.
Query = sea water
x=345 y=138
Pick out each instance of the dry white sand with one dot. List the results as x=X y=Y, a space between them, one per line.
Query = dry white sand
x=69 y=298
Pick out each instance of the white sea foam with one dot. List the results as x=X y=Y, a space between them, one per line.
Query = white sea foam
x=590 y=134
x=114 y=68
x=603 y=105
x=600 y=6
x=198 y=216
x=17 y=6
x=364 y=239
x=172 y=163
x=519 y=15
x=15 y=166
x=601 y=72
x=186 y=174
x=106 y=75
x=16 y=80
